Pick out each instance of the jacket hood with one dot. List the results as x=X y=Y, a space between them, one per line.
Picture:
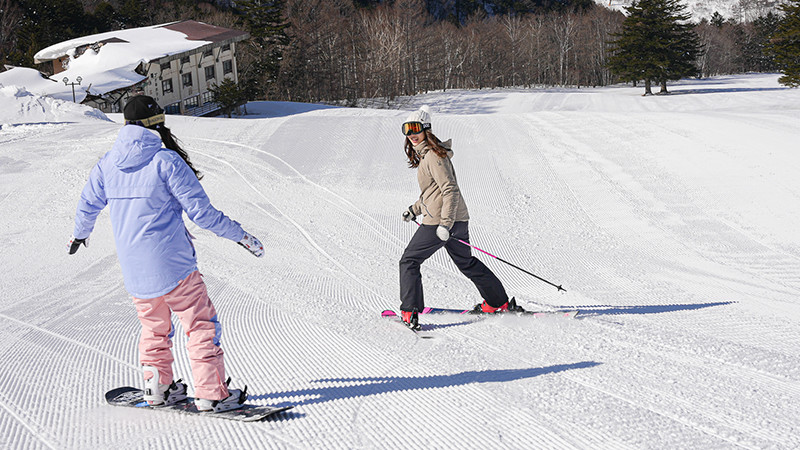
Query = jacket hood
x=423 y=148
x=134 y=147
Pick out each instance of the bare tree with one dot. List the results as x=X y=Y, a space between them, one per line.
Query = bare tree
x=539 y=46
x=564 y=27
x=601 y=23
x=718 y=50
x=514 y=31
x=455 y=47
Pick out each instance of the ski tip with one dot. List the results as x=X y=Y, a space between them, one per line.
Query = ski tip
x=388 y=313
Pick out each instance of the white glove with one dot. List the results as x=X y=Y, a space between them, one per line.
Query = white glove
x=408 y=215
x=252 y=244
x=443 y=233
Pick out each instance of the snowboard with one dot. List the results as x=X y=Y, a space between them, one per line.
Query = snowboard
x=133 y=398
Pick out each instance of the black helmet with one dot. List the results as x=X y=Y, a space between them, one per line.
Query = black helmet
x=143 y=110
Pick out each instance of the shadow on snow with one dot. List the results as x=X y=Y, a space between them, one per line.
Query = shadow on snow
x=363 y=387
x=599 y=310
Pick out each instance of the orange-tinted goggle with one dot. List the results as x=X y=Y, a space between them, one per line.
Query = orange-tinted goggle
x=414 y=128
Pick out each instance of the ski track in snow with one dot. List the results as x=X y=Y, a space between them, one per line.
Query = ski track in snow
x=688 y=331
x=341 y=204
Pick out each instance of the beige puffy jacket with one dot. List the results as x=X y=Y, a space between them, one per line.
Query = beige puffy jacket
x=440 y=200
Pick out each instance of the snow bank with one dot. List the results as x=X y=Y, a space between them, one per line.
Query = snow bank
x=19 y=106
x=271 y=109
x=704 y=9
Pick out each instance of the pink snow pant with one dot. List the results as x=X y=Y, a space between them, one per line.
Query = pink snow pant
x=190 y=302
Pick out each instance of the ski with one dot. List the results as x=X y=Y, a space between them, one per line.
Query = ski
x=133 y=398
x=569 y=314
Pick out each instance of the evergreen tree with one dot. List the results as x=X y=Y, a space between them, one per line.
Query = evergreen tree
x=264 y=20
x=46 y=22
x=717 y=20
x=785 y=44
x=10 y=21
x=135 y=13
x=756 y=56
x=228 y=95
x=106 y=18
x=656 y=43
x=682 y=43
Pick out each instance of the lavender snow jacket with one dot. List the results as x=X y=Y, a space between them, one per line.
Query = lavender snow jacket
x=147 y=188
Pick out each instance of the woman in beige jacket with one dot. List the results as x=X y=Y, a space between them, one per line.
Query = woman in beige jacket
x=445 y=223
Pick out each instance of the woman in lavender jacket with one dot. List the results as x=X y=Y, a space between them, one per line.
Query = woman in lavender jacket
x=148 y=182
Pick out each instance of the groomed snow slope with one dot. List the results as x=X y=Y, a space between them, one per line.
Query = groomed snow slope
x=670 y=221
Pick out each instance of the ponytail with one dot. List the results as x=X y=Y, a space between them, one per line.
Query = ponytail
x=171 y=143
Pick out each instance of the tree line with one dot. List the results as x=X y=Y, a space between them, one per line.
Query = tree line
x=345 y=50
x=340 y=52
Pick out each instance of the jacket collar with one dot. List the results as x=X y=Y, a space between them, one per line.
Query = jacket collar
x=423 y=147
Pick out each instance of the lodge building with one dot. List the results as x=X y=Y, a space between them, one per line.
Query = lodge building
x=175 y=63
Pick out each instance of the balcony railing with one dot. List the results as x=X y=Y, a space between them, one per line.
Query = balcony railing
x=202 y=110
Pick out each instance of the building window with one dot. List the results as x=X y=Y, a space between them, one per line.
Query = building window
x=206 y=53
x=185 y=60
x=226 y=48
x=187 y=79
x=210 y=73
x=174 y=108
x=191 y=102
x=165 y=66
x=227 y=67
x=115 y=107
x=166 y=85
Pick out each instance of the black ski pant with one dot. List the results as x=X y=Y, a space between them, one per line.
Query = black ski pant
x=423 y=245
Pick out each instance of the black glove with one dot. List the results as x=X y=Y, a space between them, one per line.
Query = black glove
x=408 y=215
x=75 y=243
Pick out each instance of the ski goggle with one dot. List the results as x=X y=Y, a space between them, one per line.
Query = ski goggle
x=414 y=128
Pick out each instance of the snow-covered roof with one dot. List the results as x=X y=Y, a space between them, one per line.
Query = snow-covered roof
x=107 y=61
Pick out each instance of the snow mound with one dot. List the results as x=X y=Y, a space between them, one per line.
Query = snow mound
x=19 y=106
x=272 y=109
x=703 y=9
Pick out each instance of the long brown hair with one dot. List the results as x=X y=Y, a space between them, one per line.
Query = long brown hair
x=171 y=143
x=434 y=144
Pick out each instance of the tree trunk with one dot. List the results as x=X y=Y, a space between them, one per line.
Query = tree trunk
x=664 y=87
x=647 y=90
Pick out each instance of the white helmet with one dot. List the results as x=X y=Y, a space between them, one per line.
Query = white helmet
x=423 y=114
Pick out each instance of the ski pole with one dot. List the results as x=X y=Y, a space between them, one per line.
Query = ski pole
x=504 y=261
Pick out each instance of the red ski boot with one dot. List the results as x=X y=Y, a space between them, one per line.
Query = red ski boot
x=411 y=319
